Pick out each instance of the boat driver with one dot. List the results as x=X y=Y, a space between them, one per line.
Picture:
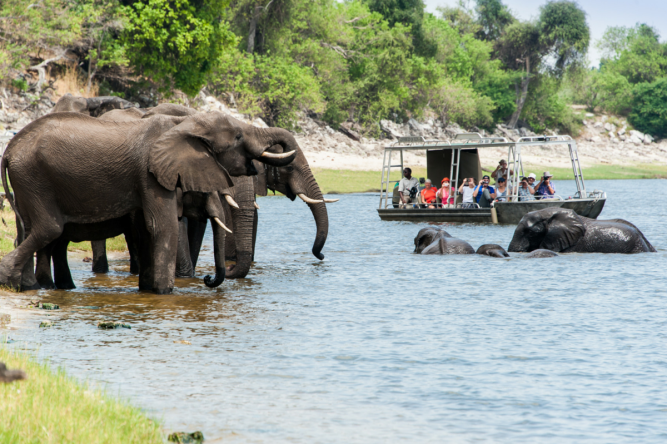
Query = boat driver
x=408 y=188
x=545 y=189
x=484 y=193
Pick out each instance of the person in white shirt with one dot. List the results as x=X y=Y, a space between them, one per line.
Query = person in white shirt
x=467 y=189
x=405 y=188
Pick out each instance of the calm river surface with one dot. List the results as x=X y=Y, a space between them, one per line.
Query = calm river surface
x=375 y=344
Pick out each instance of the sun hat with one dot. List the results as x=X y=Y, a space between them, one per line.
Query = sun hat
x=502 y=179
x=532 y=176
x=547 y=174
x=486 y=177
x=446 y=179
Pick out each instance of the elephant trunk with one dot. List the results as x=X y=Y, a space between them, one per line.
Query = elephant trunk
x=520 y=243
x=243 y=219
x=319 y=210
x=269 y=137
x=219 y=256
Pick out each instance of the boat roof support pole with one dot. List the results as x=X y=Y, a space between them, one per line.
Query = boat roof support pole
x=576 y=169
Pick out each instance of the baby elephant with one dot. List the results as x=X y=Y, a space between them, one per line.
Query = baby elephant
x=433 y=240
x=492 y=250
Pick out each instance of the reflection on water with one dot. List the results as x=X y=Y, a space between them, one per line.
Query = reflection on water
x=375 y=344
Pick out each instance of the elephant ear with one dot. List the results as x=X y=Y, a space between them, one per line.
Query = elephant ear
x=564 y=229
x=182 y=152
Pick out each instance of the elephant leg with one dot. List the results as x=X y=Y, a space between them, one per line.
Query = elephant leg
x=133 y=248
x=183 y=262
x=196 y=231
x=43 y=268
x=254 y=234
x=162 y=224
x=100 y=263
x=142 y=241
x=61 y=271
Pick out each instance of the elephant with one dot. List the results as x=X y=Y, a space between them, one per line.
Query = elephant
x=563 y=230
x=94 y=106
x=541 y=253
x=71 y=168
x=492 y=250
x=433 y=240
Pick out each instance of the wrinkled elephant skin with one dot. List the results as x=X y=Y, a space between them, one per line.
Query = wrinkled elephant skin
x=492 y=250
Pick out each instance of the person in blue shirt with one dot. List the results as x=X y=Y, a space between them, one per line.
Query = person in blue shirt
x=484 y=193
x=545 y=189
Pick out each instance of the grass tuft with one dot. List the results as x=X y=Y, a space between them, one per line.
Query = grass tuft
x=51 y=407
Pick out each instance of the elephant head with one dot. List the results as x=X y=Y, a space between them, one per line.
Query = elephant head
x=426 y=236
x=554 y=229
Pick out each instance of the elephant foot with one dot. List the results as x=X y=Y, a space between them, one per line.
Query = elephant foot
x=9 y=279
x=184 y=274
x=101 y=268
x=65 y=285
x=34 y=286
x=163 y=290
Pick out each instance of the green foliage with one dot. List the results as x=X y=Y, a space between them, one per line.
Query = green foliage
x=20 y=84
x=649 y=108
x=547 y=108
x=603 y=89
x=176 y=42
x=564 y=33
x=493 y=17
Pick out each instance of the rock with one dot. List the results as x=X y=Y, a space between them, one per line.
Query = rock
x=622 y=131
x=604 y=118
x=389 y=128
x=183 y=342
x=45 y=324
x=5 y=319
x=349 y=132
x=110 y=325
x=49 y=306
x=259 y=123
x=7 y=376
x=595 y=139
x=585 y=122
x=590 y=115
x=598 y=125
x=648 y=139
x=637 y=134
x=186 y=438
x=636 y=140
x=414 y=125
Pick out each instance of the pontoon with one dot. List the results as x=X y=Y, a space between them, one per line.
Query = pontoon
x=460 y=159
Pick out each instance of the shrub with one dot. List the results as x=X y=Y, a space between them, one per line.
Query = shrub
x=649 y=108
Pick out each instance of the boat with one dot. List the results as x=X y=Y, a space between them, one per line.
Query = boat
x=459 y=159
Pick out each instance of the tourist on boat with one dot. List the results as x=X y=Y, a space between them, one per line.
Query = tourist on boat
x=501 y=171
x=545 y=189
x=443 y=193
x=501 y=190
x=484 y=193
x=525 y=191
x=408 y=188
x=467 y=189
x=429 y=194
x=531 y=182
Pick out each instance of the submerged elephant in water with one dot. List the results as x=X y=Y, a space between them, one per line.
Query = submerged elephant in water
x=492 y=250
x=541 y=253
x=563 y=230
x=433 y=240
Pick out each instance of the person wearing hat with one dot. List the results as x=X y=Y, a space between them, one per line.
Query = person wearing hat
x=545 y=189
x=501 y=170
x=501 y=190
x=484 y=193
x=428 y=194
x=443 y=193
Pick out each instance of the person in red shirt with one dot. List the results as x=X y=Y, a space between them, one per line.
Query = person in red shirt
x=428 y=194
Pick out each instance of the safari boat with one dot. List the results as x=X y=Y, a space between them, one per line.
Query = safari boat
x=460 y=159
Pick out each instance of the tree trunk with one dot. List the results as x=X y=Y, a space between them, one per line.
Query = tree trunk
x=522 y=96
x=253 y=29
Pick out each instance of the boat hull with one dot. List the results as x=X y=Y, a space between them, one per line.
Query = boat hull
x=507 y=212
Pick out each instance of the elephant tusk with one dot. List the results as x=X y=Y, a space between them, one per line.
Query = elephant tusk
x=222 y=225
x=330 y=200
x=308 y=199
x=277 y=156
x=231 y=201
x=256 y=206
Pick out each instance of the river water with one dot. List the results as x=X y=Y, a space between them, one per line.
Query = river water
x=375 y=344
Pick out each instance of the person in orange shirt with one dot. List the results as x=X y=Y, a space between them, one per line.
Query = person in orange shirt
x=428 y=194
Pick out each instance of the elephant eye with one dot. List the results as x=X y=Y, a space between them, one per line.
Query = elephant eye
x=290 y=169
x=238 y=136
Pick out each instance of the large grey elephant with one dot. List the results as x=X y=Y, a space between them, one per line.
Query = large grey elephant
x=70 y=168
x=563 y=230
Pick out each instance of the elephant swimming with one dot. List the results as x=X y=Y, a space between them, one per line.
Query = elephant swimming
x=563 y=230
x=492 y=250
x=433 y=240
x=540 y=254
x=62 y=174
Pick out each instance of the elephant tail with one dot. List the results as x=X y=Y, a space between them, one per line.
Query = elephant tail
x=10 y=198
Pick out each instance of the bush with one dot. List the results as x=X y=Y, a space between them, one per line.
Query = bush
x=547 y=107
x=649 y=108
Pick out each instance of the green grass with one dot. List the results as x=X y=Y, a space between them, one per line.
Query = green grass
x=8 y=234
x=51 y=407
x=348 y=181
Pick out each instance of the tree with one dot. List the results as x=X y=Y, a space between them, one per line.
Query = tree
x=493 y=17
x=649 y=108
x=178 y=42
x=560 y=36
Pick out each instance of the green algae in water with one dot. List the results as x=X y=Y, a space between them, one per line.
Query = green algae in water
x=45 y=324
x=49 y=306
x=186 y=438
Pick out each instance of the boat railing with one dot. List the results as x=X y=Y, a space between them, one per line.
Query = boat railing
x=440 y=206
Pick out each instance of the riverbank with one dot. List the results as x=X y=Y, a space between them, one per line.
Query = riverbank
x=51 y=407
x=351 y=181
